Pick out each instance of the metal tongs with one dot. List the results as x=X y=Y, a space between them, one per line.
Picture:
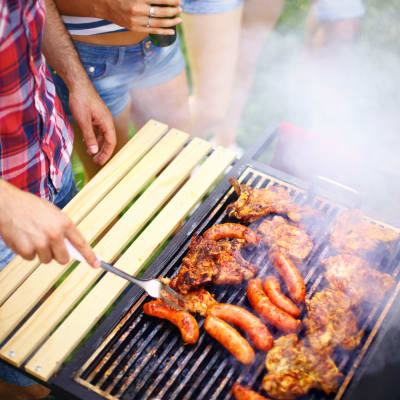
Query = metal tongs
x=153 y=287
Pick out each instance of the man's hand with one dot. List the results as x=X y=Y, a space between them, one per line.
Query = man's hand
x=95 y=121
x=31 y=226
x=86 y=106
x=134 y=15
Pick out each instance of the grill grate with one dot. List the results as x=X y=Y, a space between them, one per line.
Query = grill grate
x=144 y=358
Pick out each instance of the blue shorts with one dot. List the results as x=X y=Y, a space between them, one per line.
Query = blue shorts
x=115 y=70
x=60 y=199
x=209 y=6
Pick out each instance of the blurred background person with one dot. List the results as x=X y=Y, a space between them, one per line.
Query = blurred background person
x=211 y=30
x=136 y=79
x=328 y=22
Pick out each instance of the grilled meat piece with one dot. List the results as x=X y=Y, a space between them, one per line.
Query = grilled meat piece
x=219 y=262
x=330 y=322
x=353 y=234
x=354 y=276
x=197 y=301
x=294 y=369
x=285 y=237
x=253 y=204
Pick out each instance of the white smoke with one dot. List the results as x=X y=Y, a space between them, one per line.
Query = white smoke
x=349 y=95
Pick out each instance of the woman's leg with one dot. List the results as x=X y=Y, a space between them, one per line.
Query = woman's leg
x=259 y=19
x=212 y=48
x=167 y=103
x=121 y=123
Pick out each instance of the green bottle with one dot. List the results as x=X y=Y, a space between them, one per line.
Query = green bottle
x=163 y=40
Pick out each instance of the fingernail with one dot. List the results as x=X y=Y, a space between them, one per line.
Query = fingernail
x=93 y=149
x=96 y=264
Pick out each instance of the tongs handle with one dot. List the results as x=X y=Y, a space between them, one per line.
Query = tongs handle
x=74 y=253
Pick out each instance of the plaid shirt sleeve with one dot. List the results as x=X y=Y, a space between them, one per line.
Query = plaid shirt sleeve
x=35 y=138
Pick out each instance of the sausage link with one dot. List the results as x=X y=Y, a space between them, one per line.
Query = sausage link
x=186 y=323
x=243 y=393
x=232 y=231
x=291 y=275
x=230 y=338
x=245 y=320
x=273 y=290
x=264 y=307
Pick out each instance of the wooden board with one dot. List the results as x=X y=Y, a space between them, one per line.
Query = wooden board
x=18 y=269
x=68 y=335
x=35 y=330
x=44 y=277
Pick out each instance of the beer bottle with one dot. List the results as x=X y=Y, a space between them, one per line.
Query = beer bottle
x=163 y=40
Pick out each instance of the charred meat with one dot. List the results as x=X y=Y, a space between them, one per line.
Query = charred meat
x=253 y=204
x=353 y=234
x=353 y=276
x=330 y=322
x=213 y=261
x=294 y=369
x=285 y=237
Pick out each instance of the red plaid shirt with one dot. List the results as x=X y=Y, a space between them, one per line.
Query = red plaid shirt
x=35 y=138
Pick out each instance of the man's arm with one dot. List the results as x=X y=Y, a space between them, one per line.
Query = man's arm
x=87 y=108
x=131 y=14
x=32 y=226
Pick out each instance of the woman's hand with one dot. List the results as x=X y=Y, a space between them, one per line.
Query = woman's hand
x=134 y=14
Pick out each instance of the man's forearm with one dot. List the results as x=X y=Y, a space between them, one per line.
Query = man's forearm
x=59 y=50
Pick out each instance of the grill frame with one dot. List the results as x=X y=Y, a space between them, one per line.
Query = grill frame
x=64 y=383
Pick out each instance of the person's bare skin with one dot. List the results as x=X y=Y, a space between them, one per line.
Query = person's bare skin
x=167 y=102
x=259 y=19
x=212 y=48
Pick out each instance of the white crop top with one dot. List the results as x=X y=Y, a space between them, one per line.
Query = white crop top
x=89 y=26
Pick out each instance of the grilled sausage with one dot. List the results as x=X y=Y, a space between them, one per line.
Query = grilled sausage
x=186 y=323
x=232 y=231
x=291 y=275
x=243 y=393
x=273 y=290
x=264 y=307
x=230 y=338
x=245 y=320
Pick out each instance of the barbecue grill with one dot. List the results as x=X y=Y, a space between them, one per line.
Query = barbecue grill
x=133 y=356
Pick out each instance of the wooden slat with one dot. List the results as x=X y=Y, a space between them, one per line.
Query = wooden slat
x=44 y=277
x=19 y=269
x=32 y=333
x=50 y=356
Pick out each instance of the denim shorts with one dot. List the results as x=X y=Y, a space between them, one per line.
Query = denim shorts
x=333 y=10
x=209 y=6
x=115 y=70
x=65 y=194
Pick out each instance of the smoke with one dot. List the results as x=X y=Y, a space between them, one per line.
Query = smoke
x=348 y=96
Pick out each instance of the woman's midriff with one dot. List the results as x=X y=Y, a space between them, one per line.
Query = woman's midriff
x=112 y=39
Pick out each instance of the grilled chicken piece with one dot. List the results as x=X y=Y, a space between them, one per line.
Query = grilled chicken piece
x=355 y=235
x=253 y=204
x=294 y=369
x=198 y=301
x=285 y=237
x=219 y=262
x=354 y=276
x=330 y=322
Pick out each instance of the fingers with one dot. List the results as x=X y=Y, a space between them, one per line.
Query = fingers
x=108 y=141
x=161 y=22
x=78 y=241
x=88 y=136
x=164 y=12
